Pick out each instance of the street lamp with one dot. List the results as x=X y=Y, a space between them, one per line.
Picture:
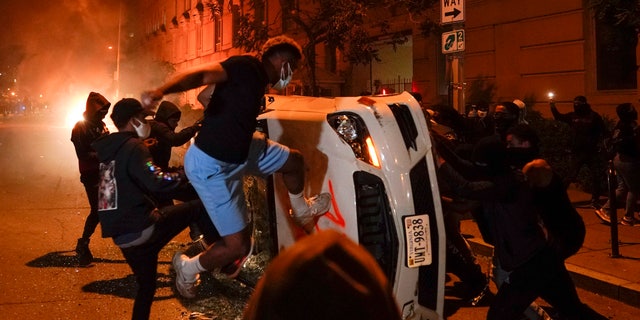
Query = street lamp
x=117 y=74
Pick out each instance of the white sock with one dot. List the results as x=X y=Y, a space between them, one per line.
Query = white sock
x=193 y=266
x=298 y=203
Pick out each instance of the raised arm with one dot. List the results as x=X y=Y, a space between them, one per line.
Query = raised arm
x=208 y=74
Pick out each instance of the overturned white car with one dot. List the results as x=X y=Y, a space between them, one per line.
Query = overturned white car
x=374 y=155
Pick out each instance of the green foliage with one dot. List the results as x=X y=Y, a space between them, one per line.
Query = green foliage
x=623 y=13
x=555 y=142
x=337 y=24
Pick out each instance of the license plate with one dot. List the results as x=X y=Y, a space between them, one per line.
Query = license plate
x=416 y=231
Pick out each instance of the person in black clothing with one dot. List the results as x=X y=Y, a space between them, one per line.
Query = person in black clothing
x=625 y=143
x=565 y=229
x=162 y=138
x=127 y=215
x=163 y=130
x=587 y=136
x=535 y=269
x=83 y=134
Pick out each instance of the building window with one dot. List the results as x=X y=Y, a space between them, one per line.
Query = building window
x=615 y=57
x=330 y=58
x=217 y=33
x=235 y=21
x=289 y=7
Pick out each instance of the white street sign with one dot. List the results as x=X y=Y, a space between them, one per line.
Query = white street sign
x=453 y=41
x=451 y=11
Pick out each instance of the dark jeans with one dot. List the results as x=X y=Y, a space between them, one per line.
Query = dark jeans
x=593 y=161
x=629 y=175
x=143 y=259
x=545 y=276
x=185 y=193
x=91 y=188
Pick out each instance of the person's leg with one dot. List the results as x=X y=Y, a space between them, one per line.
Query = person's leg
x=557 y=287
x=575 y=163
x=92 y=221
x=594 y=162
x=462 y=262
x=629 y=172
x=511 y=301
x=143 y=262
x=220 y=188
x=267 y=157
x=82 y=247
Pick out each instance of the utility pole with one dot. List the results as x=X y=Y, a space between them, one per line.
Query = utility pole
x=116 y=76
x=453 y=42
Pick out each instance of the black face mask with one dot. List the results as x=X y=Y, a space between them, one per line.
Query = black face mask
x=581 y=108
x=503 y=121
x=518 y=157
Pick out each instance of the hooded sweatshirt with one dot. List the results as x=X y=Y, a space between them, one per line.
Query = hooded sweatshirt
x=165 y=135
x=587 y=128
x=128 y=179
x=87 y=131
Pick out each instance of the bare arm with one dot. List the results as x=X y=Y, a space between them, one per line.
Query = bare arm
x=205 y=75
x=205 y=95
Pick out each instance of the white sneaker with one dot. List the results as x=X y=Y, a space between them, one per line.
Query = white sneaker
x=186 y=287
x=318 y=206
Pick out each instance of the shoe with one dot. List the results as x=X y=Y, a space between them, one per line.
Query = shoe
x=186 y=287
x=83 y=253
x=629 y=221
x=603 y=215
x=233 y=269
x=479 y=292
x=595 y=203
x=318 y=206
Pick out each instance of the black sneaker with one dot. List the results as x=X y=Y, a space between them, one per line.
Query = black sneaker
x=595 y=203
x=603 y=216
x=83 y=253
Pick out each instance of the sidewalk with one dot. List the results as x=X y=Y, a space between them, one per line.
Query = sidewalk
x=593 y=268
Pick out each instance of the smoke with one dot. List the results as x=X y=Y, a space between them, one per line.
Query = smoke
x=59 y=49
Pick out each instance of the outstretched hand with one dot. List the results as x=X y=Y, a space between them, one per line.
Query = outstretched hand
x=150 y=99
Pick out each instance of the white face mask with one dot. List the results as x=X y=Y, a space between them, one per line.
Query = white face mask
x=143 y=130
x=285 y=77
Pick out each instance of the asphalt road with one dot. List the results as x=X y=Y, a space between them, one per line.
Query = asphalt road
x=42 y=214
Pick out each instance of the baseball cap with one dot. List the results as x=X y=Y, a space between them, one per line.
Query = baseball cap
x=126 y=109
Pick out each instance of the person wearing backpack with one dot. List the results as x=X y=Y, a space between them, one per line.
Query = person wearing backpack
x=625 y=143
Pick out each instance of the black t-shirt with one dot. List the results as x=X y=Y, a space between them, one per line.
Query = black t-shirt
x=230 y=118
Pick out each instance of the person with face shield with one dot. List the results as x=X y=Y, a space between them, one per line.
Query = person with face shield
x=129 y=178
x=626 y=145
x=83 y=134
x=228 y=147
x=587 y=137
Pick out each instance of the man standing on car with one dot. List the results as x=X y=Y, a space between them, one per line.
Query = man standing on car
x=228 y=147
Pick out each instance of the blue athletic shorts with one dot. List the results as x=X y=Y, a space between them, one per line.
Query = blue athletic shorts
x=220 y=184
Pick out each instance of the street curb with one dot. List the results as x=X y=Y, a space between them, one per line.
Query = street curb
x=612 y=287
